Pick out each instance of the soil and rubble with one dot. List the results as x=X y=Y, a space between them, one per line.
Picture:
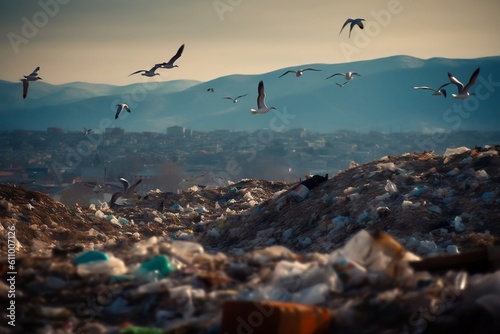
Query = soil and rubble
x=252 y=240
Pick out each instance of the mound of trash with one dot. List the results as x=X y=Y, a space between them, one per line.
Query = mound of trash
x=404 y=244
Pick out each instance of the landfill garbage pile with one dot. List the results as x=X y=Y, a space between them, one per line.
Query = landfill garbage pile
x=404 y=244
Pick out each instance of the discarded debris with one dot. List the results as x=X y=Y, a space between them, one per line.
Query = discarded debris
x=367 y=249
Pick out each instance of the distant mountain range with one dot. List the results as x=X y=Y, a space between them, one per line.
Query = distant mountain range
x=381 y=99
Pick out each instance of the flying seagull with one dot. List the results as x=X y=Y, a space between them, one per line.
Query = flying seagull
x=210 y=89
x=120 y=108
x=348 y=75
x=235 y=99
x=86 y=131
x=128 y=190
x=261 y=101
x=298 y=73
x=439 y=91
x=33 y=76
x=170 y=63
x=148 y=73
x=463 y=91
x=353 y=22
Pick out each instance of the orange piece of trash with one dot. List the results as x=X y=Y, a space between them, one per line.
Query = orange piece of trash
x=252 y=317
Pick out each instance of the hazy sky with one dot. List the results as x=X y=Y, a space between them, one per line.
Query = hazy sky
x=103 y=41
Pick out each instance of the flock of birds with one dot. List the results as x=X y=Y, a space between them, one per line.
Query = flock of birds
x=463 y=90
x=462 y=93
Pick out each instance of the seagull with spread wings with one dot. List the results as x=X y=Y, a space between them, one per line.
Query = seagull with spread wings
x=128 y=190
x=299 y=73
x=261 y=101
x=170 y=63
x=86 y=131
x=348 y=75
x=353 y=22
x=148 y=73
x=33 y=76
x=120 y=108
x=234 y=99
x=463 y=90
x=439 y=91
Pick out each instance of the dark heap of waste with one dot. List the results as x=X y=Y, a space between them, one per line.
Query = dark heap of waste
x=169 y=263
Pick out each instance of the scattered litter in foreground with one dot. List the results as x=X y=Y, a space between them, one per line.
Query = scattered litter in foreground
x=401 y=244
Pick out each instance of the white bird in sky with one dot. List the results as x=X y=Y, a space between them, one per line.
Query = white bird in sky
x=86 y=131
x=261 y=101
x=348 y=75
x=235 y=99
x=148 y=73
x=33 y=76
x=439 y=91
x=353 y=22
x=170 y=63
x=463 y=91
x=120 y=108
x=298 y=73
